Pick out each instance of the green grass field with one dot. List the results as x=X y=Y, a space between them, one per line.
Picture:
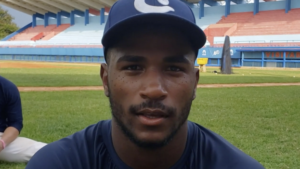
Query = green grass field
x=261 y=121
x=75 y=75
x=81 y=75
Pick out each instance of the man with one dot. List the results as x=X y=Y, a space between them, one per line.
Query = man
x=12 y=147
x=150 y=48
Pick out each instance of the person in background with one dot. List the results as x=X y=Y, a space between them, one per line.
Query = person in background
x=12 y=147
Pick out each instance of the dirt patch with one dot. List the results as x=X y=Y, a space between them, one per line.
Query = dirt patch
x=31 y=65
x=30 y=89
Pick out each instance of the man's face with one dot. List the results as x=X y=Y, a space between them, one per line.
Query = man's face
x=151 y=81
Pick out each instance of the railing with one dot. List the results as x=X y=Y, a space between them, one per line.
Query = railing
x=254 y=41
x=261 y=43
x=287 y=41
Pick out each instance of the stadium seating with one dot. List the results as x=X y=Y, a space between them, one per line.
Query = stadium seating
x=56 y=31
x=273 y=22
x=29 y=33
x=244 y=28
x=39 y=33
x=80 y=34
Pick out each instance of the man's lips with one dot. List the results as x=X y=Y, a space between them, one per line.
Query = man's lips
x=152 y=113
x=152 y=117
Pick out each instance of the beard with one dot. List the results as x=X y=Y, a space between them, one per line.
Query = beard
x=118 y=114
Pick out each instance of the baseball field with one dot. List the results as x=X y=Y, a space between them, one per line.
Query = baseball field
x=257 y=110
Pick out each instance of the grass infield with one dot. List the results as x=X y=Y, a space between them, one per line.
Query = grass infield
x=26 y=74
x=261 y=121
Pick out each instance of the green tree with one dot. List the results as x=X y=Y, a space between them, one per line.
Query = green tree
x=6 y=25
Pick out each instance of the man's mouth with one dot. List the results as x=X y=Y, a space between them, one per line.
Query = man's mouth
x=152 y=113
x=152 y=117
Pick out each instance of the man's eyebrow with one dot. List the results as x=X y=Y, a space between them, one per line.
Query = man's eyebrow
x=130 y=58
x=176 y=59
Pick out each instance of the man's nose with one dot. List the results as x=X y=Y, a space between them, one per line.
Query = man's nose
x=153 y=86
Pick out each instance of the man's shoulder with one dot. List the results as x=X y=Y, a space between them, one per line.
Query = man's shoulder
x=8 y=89
x=6 y=83
x=75 y=150
x=92 y=133
x=218 y=152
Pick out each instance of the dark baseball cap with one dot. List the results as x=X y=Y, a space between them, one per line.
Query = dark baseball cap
x=126 y=14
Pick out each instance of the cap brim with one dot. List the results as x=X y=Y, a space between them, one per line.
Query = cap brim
x=191 y=30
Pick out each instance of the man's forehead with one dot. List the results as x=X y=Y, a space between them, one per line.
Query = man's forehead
x=120 y=57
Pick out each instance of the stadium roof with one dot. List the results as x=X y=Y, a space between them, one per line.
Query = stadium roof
x=43 y=6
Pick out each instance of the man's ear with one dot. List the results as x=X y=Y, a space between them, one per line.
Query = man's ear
x=104 y=77
x=197 y=74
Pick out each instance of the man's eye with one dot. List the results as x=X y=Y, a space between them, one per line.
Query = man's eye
x=133 y=67
x=174 y=68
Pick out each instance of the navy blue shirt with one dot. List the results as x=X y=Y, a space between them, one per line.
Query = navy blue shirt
x=10 y=106
x=92 y=148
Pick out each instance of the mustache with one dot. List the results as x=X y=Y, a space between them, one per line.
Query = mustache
x=152 y=104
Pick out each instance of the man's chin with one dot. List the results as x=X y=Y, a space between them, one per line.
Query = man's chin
x=150 y=144
x=152 y=140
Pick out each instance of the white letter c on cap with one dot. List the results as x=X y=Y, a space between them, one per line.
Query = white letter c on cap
x=143 y=7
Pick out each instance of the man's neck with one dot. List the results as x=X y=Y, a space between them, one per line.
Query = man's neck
x=140 y=158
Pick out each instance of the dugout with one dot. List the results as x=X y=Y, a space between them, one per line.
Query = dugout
x=281 y=57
